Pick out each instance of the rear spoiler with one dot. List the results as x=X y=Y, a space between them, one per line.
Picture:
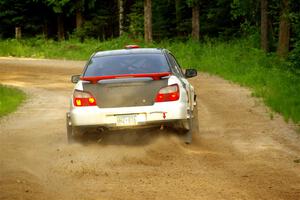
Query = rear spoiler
x=154 y=76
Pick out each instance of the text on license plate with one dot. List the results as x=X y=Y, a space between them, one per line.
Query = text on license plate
x=126 y=120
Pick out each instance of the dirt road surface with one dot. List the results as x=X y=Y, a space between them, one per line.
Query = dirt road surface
x=240 y=152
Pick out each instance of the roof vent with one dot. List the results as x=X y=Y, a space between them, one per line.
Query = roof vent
x=132 y=46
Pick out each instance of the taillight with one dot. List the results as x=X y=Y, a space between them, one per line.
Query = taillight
x=169 y=93
x=81 y=98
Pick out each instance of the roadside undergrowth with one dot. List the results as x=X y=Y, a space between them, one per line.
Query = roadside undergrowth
x=10 y=99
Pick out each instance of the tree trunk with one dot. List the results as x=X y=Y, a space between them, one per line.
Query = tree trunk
x=79 y=7
x=45 y=30
x=178 y=16
x=264 y=26
x=79 y=19
x=121 y=16
x=60 y=27
x=148 y=20
x=195 y=22
x=284 y=30
x=18 y=32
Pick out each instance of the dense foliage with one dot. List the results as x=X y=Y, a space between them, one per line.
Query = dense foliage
x=226 y=19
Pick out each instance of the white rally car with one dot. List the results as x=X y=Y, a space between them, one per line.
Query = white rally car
x=132 y=88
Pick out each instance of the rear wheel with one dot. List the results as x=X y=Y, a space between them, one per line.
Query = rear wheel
x=191 y=126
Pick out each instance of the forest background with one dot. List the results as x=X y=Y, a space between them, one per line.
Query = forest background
x=255 y=43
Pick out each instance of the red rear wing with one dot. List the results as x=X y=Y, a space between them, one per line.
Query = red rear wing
x=154 y=76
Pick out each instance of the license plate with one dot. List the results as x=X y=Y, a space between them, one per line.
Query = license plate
x=126 y=120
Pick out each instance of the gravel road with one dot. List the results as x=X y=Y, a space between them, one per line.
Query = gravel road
x=240 y=153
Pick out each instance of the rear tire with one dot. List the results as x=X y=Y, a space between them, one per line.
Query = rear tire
x=193 y=126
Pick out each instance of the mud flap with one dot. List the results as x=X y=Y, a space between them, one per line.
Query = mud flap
x=70 y=137
x=74 y=134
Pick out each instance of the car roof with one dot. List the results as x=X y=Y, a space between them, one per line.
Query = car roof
x=129 y=51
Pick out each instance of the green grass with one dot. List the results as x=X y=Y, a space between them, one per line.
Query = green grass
x=69 y=49
x=237 y=60
x=240 y=62
x=10 y=99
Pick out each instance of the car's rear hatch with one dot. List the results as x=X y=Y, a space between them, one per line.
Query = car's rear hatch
x=125 y=92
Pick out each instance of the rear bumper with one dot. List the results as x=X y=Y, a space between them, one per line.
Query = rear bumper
x=159 y=113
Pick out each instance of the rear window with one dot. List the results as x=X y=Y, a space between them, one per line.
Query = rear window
x=127 y=64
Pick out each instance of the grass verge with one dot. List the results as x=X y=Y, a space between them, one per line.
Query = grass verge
x=10 y=99
x=238 y=61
